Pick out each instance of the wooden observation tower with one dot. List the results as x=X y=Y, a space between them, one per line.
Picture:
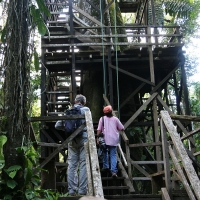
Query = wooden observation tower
x=141 y=76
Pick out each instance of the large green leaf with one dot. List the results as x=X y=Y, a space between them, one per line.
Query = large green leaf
x=3 y=140
x=3 y=34
x=36 y=60
x=43 y=8
x=27 y=175
x=12 y=170
x=37 y=18
x=11 y=184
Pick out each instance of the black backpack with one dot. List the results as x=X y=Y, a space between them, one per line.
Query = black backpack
x=72 y=125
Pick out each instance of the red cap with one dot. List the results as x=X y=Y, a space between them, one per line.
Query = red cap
x=107 y=109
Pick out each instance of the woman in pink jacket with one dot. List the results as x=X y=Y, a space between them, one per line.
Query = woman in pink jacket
x=110 y=126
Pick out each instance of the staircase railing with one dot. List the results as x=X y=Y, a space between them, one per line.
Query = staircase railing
x=181 y=159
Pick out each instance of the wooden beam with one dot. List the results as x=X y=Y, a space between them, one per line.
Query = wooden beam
x=185 y=117
x=189 y=134
x=140 y=110
x=147 y=162
x=140 y=169
x=88 y=16
x=72 y=136
x=132 y=94
x=132 y=75
x=197 y=153
x=55 y=118
x=165 y=195
x=145 y=144
x=187 y=163
x=164 y=80
x=181 y=174
x=45 y=144
x=90 y=2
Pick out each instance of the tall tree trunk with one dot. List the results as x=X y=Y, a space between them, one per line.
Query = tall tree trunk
x=16 y=87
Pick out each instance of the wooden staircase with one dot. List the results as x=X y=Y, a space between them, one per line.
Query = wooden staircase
x=61 y=81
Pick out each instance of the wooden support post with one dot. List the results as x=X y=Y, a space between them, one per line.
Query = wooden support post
x=95 y=169
x=88 y=167
x=181 y=174
x=73 y=67
x=166 y=159
x=155 y=113
x=187 y=163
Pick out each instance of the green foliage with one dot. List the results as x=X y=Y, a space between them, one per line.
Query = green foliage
x=31 y=184
x=43 y=8
x=3 y=140
x=117 y=20
x=36 y=13
x=3 y=34
x=12 y=170
x=36 y=60
x=179 y=9
x=37 y=18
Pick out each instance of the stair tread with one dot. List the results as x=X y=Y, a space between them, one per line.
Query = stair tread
x=58 y=92
x=115 y=187
x=111 y=178
x=58 y=103
x=57 y=62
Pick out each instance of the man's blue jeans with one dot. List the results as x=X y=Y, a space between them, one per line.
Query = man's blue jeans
x=76 y=162
x=113 y=158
